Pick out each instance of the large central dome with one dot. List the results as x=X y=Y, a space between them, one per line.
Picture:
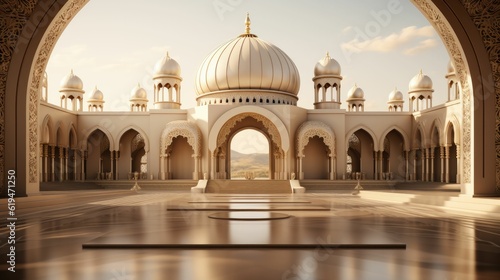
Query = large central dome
x=247 y=63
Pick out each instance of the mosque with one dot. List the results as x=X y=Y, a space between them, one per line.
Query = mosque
x=248 y=83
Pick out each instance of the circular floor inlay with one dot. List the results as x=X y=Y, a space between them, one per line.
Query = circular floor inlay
x=248 y=216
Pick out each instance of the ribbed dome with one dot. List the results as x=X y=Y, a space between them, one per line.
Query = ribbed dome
x=138 y=93
x=167 y=66
x=355 y=93
x=396 y=95
x=420 y=82
x=71 y=81
x=247 y=62
x=327 y=66
x=96 y=95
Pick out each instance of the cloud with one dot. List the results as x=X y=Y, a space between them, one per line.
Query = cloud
x=422 y=46
x=392 y=42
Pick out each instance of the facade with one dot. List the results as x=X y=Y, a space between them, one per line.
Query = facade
x=253 y=86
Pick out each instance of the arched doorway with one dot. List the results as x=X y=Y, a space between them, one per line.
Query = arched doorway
x=133 y=156
x=222 y=155
x=394 y=158
x=98 y=164
x=316 y=159
x=360 y=151
x=469 y=48
x=250 y=157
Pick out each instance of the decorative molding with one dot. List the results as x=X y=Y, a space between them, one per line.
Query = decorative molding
x=186 y=129
x=36 y=78
x=310 y=129
x=484 y=14
x=440 y=24
x=13 y=19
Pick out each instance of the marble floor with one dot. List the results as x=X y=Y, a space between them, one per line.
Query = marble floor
x=118 y=234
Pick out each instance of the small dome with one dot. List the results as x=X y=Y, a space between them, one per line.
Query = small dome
x=420 y=82
x=71 y=81
x=167 y=66
x=327 y=66
x=355 y=93
x=96 y=95
x=395 y=95
x=138 y=93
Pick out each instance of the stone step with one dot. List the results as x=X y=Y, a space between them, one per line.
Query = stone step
x=325 y=185
x=446 y=200
x=248 y=186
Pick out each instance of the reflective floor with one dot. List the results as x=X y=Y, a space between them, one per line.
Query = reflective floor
x=326 y=236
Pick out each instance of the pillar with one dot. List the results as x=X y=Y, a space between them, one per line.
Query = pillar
x=459 y=169
x=441 y=157
x=447 y=163
x=375 y=158
x=196 y=167
x=74 y=165
x=212 y=166
x=53 y=165
x=431 y=153
x=407 y=162
x=162 y=167
x=301 y=173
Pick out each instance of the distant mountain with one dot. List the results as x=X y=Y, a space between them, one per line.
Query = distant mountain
x=256 y=163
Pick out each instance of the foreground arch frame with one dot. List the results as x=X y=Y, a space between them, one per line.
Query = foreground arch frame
x=464 y=27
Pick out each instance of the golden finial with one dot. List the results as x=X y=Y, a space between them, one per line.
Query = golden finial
x=247 y=24
x=168 y=55
x=327 y=54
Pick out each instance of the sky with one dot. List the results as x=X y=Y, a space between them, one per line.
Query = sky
x=380 y=45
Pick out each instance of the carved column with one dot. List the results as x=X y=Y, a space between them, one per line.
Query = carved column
x=441 y=157
x=53 y=163
x=380 y=166
x=301 y=173
x=407 y=162
x=74 y=165
x=196 y=167
x=447 y=163
x=213 y=167
x=117 y=165
x=459 y=169
x=375 y=158
x=332 y=167
x=45 y=162
x=162 y=167
x=60 y=159
x=84 y=159
x=40 y=163
x=432 y=163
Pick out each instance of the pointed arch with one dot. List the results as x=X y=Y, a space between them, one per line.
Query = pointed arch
x=398 y=129
x=452 y=122
x=309 y=129
x=104 y=130
x=139 y=130
x=61 y=134
x=72 y=140
x=436 y=124
x=420 y=128
x=47 y=130
x=367 y=130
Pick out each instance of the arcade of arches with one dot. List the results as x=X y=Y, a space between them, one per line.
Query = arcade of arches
x=436 y=143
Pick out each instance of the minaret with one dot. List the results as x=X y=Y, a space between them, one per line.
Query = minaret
x=356 y=99
x=327 y=85
x=138 y=99
x=96 y=101
x=420 y=92
x=72 y=89
x=167 y=83
x=395 y=102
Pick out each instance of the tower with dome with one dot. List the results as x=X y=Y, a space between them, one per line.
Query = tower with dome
x=249 y=83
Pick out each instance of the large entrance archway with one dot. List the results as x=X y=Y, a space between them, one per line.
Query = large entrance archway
x=461 y=25
x=222 y=153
